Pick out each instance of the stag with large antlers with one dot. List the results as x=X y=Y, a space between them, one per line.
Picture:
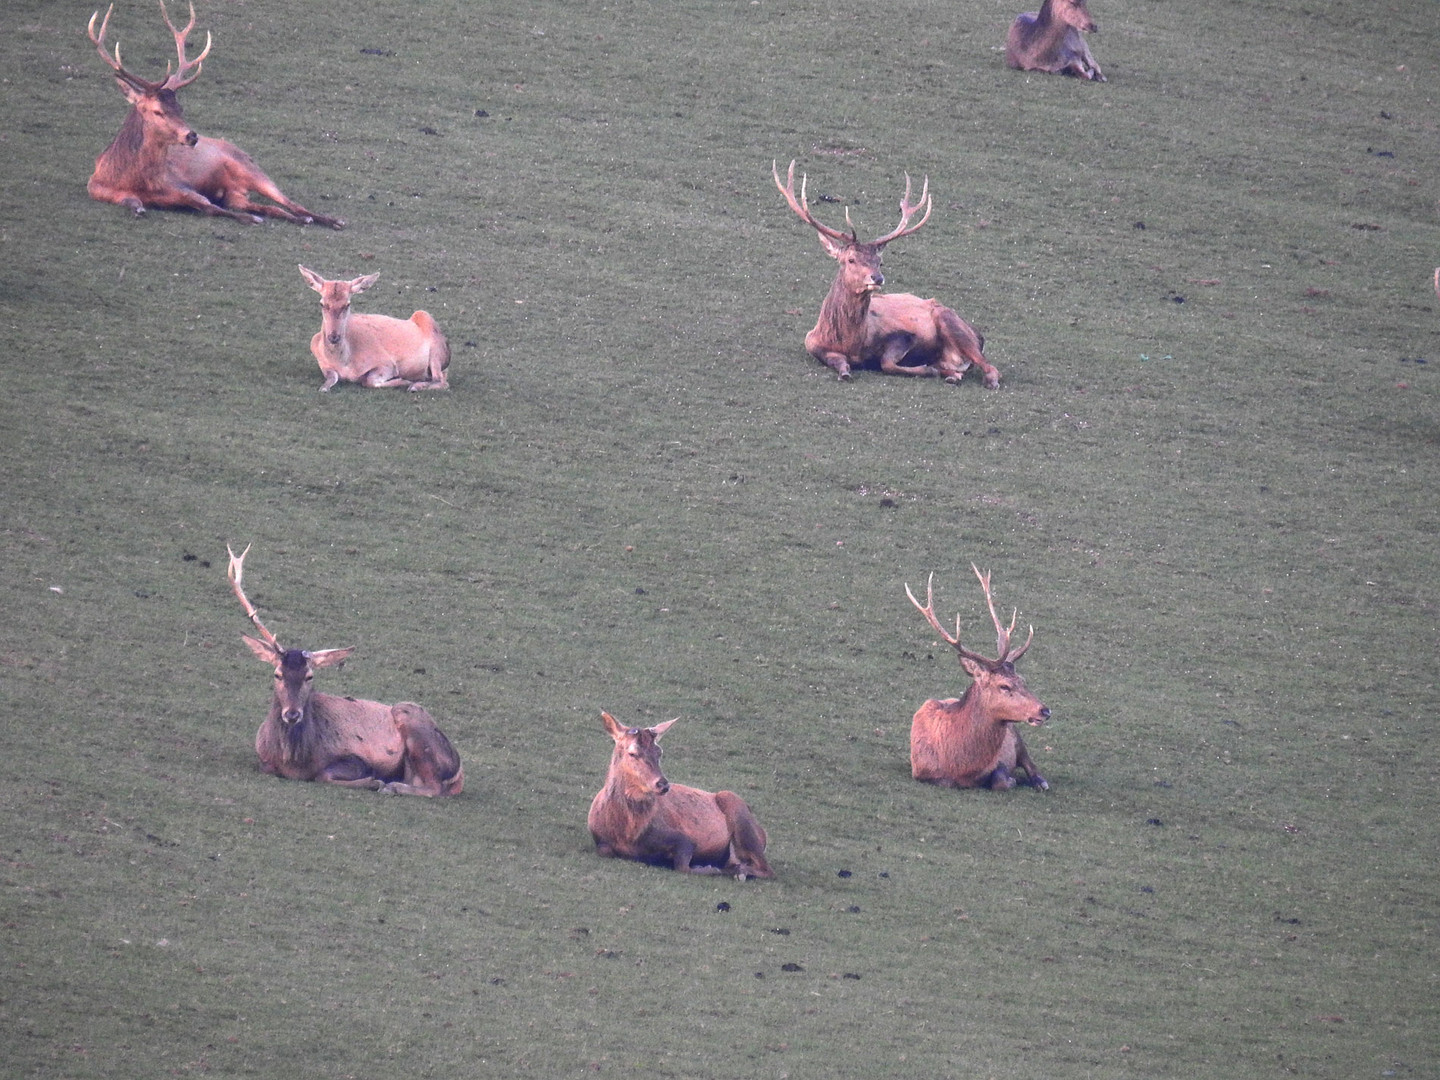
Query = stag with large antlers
x=971 y=741
x=859 y=325
x=158 y=160
x=342 y=740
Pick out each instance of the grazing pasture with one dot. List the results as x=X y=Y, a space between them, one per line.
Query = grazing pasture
x=1209 y=479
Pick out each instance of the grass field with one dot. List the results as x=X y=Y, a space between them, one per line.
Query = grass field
x=1209 y=479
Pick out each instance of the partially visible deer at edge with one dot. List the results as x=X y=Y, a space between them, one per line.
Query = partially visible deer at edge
x=158 y=160
x=342 y=740
x=860 y=325
x=971 y=741
x=1050 y=40
x=640 y=815
x=375 y=350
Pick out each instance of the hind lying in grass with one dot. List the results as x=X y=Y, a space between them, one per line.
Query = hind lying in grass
x=640 y=815
x=341 y=740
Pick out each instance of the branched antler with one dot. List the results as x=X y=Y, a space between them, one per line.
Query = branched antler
x=236 y=574
x=1005 y=655
x=802 y=207
x=176 y=81
x=907 y=211
x=172 y=81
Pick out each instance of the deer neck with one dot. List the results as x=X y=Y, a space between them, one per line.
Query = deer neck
x=842 y=317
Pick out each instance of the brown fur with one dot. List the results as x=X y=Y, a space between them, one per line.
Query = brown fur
x=859 y=326
x=640 y=815
x=1050 y=40
x=971 y=741
x=156 y=160
x=375 y=350
x=342 y=740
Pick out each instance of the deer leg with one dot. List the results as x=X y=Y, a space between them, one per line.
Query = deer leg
x=350 y=771
x=836 y=362
x=1000 y=779
x=432 y=767
x=896 y=349
x=1026 y=762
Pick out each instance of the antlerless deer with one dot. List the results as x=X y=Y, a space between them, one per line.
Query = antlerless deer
x=640 y=815
x=1050 y=40
x=860 y=325
x=156 y=159
x=375 y=350
x=342 y=740
x=971 y=741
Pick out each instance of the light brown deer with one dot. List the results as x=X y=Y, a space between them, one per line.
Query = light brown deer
x=158 y=160
x=343 y=740
x=971 y=741
x=859 y=325
x=1049 y=40
x=375 y=350
x=640 y=815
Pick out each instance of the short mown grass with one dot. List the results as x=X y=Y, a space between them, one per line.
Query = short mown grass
x=1209 y=480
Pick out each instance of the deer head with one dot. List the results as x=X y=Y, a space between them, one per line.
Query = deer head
x=859 y=260
x=155 y=102
x=294 y=668
x=1003 y=695
x=335 y=298
x=635 y=762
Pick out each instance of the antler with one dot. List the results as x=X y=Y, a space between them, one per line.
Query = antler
x=907 y=210
x=1002 y=635
x=176 y=81
x=172 y=82
x=1005 y=656
x=235 y=573
x=143 y=85
x=802 y=207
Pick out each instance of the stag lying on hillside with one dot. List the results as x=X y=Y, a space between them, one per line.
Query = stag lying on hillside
x=1050 y=40
x=157 y=160
x=971 y=741
x=859 y=325
x=640 y=815
x=375 y=350
x=343 y=740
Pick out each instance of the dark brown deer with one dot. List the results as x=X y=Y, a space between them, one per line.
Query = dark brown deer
x=1049 y=40
x=375 y=350
x=860 y=326
x=640 y=815
x=158 y=160
x=971 y=741
x=343 y=740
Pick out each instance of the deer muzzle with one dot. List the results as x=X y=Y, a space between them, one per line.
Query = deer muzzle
x=191 y=138
x=291 y=716
x=661 y=785
x=333 y=339
x=1040 y=717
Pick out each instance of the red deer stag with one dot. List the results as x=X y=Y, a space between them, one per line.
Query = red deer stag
x=860 y=325
x=1049 y=40
x=640 y=815
x=343 y=740
x=971 y=741
x=375 y=350
x=158 y=160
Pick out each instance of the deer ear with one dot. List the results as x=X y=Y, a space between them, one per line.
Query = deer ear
x=833 y=248
x=615 y=727
x=660 y=729
x=329 y=657
x=360 y=284
x=264 y=652
x=131 y=94
x=316 y=281
x=973 y=668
